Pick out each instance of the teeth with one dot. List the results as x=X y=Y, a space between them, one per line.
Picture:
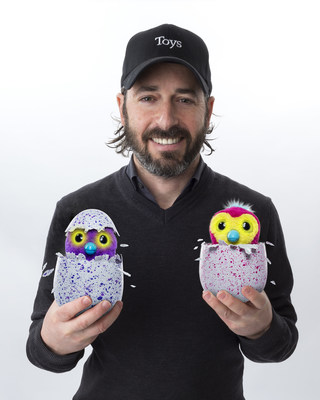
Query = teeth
x=165 y=141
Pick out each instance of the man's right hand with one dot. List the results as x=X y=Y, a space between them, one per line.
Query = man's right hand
x=64 y=333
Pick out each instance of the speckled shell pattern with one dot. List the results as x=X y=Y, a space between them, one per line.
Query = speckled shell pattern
x=231 y=267
x=100 y=278
x=91 y=219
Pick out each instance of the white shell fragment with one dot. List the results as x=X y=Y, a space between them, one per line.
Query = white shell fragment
x=91 y=219
x=230 y=268
x=47 y=272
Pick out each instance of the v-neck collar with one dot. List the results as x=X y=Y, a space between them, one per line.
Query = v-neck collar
x=131 y=172
x=152 y=209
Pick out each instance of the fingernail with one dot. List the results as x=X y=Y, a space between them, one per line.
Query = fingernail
x=206 y=295
x=106 y=304
x=221 y=295
x=86 y=301
x=246 y=290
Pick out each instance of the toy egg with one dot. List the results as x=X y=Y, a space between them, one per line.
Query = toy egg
x=235 y=258
x=91 y=266
x=230 y=268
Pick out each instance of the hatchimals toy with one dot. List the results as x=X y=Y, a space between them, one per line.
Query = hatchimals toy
x=235 y=258
x=91 y=265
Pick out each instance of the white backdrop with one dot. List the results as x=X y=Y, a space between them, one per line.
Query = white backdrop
x=60 y=68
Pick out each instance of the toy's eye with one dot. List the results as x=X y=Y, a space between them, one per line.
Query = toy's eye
x=104 y=239
x=246 y=226
x=221 y=226
x=78 y=237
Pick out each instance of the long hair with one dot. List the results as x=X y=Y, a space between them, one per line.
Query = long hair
x=121 y=145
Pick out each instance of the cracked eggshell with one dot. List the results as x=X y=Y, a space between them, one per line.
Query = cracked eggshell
x=91 y=219
x=100 y=278
x=230 y=268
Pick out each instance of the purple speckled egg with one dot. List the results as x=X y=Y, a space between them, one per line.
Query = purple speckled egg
x=91 y=266
x=100 y=278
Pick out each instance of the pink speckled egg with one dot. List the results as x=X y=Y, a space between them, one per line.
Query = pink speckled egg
x=231 y=267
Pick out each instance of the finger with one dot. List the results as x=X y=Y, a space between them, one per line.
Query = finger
x=54 y=306
x=232 y=303
x=67 y=311
x=257 y=299
x=104 y=322
x=90 y=316
x=210 y=299
x=222 y=310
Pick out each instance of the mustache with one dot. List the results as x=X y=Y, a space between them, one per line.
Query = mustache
x=175 y=131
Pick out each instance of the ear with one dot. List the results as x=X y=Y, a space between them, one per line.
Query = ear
x=120 y=101
x=210 y=108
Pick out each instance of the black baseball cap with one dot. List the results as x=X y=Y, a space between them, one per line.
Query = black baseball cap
x=166 y=43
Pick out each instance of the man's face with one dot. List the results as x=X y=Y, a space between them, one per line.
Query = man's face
x=165 y=117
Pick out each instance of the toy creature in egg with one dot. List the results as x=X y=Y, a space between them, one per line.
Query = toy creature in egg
x=235 y=258
x=91 y=266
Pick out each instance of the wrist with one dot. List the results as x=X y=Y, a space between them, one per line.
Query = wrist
x=259 y=334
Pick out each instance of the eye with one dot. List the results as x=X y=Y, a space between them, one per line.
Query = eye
x=186 y=101
x=78 y=237
x=221 y=226
x=246 y=226
x=146 y=99
x=104 y=239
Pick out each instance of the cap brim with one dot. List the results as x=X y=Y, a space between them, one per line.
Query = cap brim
x=129 y=81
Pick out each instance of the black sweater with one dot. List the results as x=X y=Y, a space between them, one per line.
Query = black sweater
x=167 y=343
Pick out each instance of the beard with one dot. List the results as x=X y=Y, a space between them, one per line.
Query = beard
x=169 y=164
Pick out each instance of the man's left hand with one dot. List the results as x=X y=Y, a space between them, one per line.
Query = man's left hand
x=251 y=319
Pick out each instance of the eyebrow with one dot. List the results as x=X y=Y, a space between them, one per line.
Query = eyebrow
x=147 y=89
x=143 y=89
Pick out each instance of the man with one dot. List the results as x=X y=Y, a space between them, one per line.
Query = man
x=166 y=343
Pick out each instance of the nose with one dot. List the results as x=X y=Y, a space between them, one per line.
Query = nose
x=167 y=117
x=233 y=236
x=90 y=248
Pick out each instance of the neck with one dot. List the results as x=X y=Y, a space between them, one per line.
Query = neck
x=166 y=190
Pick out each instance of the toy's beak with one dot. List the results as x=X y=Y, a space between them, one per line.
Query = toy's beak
x=90 y=248
x=233 y=236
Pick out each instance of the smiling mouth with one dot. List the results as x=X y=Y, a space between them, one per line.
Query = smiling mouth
x=165 y=141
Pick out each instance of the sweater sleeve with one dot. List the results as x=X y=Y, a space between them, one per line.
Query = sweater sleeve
x=41 y=356
x=37 y=352
x=279 y=342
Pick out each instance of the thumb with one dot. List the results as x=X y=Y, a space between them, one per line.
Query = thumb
x=69 y=310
